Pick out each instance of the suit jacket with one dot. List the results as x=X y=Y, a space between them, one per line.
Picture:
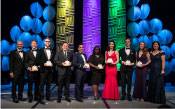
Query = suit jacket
x=31 y=60
x=124 y=57
x=16 y=63
x=59 y=59
x=44 y=59
x=78 y=62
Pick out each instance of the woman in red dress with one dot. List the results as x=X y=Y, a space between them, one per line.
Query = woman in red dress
x=110 y=90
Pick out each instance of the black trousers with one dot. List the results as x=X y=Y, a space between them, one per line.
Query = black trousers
x=18 y=80
x=126 y=78
x=80 y=77
x=45 y=78
x=33 y=77
x=64 y=81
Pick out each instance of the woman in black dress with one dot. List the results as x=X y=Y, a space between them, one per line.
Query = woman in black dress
x=142 y=60
x=156 y=90
x=96 y=62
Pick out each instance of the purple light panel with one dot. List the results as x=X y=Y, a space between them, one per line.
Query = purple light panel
x=91 y=25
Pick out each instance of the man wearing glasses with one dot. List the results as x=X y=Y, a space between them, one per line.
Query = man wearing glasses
x=46 y=70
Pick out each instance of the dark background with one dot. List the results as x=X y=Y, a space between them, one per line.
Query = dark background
x=13 y=10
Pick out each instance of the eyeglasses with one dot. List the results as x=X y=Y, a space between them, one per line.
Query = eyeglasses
x=47 y=41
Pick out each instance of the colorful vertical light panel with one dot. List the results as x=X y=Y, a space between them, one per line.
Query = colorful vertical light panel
x=117 y=23
x=91 y=25
x=65 y=23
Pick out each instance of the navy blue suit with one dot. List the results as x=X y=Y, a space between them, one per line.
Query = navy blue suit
x=80 y=74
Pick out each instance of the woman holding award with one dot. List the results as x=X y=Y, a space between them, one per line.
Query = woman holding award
x=110 y=90
x=96 y=62
x=140 y=91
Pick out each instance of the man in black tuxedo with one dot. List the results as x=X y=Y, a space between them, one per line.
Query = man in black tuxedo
x=46 y=70
x=63 y=60
x=80 y=66
x=127 y=61
x=16 y=61
x=32 y=64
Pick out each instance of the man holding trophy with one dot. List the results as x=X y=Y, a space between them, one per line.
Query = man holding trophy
x=46 y=70
x=32 y=65
x=80 y=66
x=127 y=61
x=63 y=60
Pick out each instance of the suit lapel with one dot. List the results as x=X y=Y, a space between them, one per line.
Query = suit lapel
x=18 y=54
x=31 y=53
x=45 y=54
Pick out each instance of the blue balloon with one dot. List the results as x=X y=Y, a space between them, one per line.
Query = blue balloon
x=36 y=9
x=173 y=50
x=38 y=39
x=146 y=40
x=25 y=38
x=173 y=64
x=153 y=38
x=168 y=68
x=51 y=44
x=49 y=2
x=145 y=9
x=144 y=27
x=133 y=29
x=48 y=29
x=15 y=32
x=165 y=36
x=156 y=25
x=135 y=43
x=13 y=47
x=134 y=13
x=5 y=63
x=25 y=49
x=5 y=47
x=167 y=51
x=49 y=13
x=133 y=2
x=25 y=22
x=36 y=25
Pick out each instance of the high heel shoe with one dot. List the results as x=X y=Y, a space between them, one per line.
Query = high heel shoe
x=96 y=97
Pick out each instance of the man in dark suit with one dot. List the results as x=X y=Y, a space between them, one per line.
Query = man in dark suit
x=63 y=60
x=32 y=65
x=16 y=61
x=80 y=66
x=46 y=70
x=127 y=61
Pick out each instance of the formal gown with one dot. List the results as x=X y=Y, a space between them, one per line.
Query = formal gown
x=156 y=90
x=110 y=90
x=140 y=89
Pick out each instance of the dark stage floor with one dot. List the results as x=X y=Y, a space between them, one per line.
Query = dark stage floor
x=6 y=101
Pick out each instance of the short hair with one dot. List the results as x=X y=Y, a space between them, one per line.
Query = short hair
x=64 y=43
x=19 y=41
x=80 y=44
x=34 y=41
x=48 y=38
x=128 y=39
x=96 y=48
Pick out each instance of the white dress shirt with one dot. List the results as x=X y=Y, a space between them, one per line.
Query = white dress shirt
x=127 y=51
x=20 y=53
x=48 y=52
x=34 y=52
x=83 y=58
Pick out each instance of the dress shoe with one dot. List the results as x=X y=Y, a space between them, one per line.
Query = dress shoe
x=49 y=99
x=30 y=100
x=129 y=98
x=123 y=98
x=59 y=100
x=36 y=99
x=42 y=102
x=21 y=99
x=79 y=100
x=15 y=100
x=68 y=99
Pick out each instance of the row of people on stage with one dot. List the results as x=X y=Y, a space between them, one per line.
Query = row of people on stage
x=40 y=66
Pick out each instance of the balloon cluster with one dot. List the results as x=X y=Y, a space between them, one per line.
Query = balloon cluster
x=148 y=31
x=29 y=29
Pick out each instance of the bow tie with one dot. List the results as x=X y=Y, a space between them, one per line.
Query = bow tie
x=34 y=50
x=20 y=51
x=127 y=48
x=47 y=48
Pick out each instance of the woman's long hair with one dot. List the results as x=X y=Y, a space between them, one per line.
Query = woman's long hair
x=109 y=44
x=145 y=50
x=158 y=44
